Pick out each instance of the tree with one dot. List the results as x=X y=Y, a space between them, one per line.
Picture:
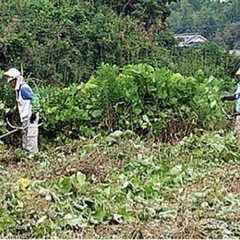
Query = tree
x=231 y=36
x=148 y=12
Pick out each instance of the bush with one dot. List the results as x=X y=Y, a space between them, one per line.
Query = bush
x=137 y=98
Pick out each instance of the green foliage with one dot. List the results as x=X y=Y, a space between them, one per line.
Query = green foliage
x=210 y=57
x=137 y=98
x=145 y=100
x=230 y=36
x=76 y=183
x=66 y=42
x=2 y=122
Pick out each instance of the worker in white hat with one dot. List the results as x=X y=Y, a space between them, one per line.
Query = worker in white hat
x=28 y=108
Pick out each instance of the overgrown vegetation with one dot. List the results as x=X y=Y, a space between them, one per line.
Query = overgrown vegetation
x=65 y=42
x=149 y=102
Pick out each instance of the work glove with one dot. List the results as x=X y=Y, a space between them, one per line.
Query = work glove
x=229 y=98
x=8 y=115
x=33 y=117
x=224 y=98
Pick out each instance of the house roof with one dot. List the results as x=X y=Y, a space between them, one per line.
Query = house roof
x=184 y=35
x=189 y=38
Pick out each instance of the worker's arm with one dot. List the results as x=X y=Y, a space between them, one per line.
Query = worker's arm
x=229 y=98
x=27 y=94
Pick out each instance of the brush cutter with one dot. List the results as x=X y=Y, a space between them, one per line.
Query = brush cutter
x=9 y=133
x=15 y=128
x=230 y=116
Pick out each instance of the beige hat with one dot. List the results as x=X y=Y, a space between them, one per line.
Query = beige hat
x=238 y=72
x=11 y=74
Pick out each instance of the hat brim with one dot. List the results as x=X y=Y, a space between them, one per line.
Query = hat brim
x=9 y=79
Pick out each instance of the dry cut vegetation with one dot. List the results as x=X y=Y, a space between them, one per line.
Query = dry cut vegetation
x=123 y=187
